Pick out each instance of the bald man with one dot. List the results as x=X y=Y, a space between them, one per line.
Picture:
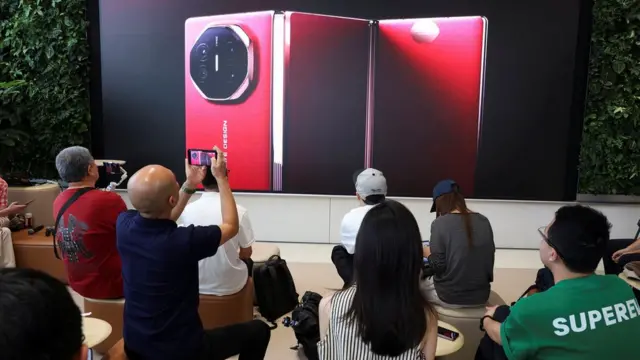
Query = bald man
x=160 y=270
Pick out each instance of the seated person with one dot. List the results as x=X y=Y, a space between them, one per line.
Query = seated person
x=583 y=316
x=619 y=253
x=40 y=320
x=86 y=234
x=461 y=252
x=226 y=272
x=160 y=271
x=7 y=256
x=380 y=317
x=371 y=189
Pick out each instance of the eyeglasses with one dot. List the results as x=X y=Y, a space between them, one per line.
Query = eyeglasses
x=542 y=231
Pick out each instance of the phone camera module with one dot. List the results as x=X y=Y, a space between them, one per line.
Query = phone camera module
x=203 y=51
x=221 y=63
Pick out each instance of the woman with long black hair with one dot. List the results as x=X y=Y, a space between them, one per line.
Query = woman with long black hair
x=382 y=314
x=461 y=252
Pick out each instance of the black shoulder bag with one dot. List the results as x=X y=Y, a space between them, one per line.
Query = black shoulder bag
x=63 y=209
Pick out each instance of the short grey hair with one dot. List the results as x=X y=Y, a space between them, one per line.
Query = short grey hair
x=73 y=163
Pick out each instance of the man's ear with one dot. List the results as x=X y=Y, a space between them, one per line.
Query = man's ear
x=83 y=353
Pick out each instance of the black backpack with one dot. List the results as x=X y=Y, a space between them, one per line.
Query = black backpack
x=275 y=291
x=305 y=321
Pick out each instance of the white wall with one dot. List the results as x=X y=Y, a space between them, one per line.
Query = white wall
x=316 y=219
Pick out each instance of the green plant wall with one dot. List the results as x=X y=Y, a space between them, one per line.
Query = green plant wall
x=610 y=154
x=45 y=44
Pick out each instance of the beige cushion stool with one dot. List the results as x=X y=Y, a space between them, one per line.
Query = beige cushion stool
x=218 y=311
x=467 y=320
x=111 y=311
x=42 y=206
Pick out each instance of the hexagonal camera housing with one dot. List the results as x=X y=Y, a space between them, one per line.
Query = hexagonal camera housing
x=222 y=63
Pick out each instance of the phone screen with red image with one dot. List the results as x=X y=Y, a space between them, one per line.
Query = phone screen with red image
x=201 y=157
x=447 y=334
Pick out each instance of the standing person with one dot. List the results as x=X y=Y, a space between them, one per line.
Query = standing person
x=380 y=317
x=160 y=270
x=584 y=316
x=371 y=189
x=226 y=272
x=86 y=234
x=461 y=252
x=39 y=319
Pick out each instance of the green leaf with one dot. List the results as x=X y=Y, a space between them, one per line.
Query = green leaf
x=618 y=66
x=44 y=67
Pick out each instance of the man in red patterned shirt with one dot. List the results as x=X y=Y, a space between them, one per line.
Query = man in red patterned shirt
x=86 y=234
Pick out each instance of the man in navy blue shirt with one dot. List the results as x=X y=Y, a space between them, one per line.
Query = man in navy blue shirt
x=160 y=271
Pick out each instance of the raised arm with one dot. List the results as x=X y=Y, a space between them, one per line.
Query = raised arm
x=230 y=224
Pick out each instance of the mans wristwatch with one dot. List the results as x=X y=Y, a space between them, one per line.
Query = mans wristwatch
x=187 y=190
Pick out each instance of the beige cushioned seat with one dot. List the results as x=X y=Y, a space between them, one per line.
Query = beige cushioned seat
x=467 y=320
x=111 y=311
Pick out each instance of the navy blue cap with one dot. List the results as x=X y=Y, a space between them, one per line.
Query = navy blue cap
x=443 y=187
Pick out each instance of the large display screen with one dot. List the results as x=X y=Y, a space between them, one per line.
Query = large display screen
x=299 y=95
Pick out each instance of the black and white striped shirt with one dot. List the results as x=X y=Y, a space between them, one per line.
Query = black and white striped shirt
x=343 y=342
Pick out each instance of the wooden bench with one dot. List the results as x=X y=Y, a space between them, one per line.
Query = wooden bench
x=36 y=252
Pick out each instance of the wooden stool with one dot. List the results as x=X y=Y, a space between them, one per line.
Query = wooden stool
x=467 y=320
x=218 y=311
x=111 y=311
x=36 y=252
x=116 y=352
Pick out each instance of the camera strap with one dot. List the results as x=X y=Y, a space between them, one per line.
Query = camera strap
x=63 y=209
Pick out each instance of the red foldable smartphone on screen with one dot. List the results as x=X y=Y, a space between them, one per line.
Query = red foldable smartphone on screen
x=425 y=120
x=284 y=94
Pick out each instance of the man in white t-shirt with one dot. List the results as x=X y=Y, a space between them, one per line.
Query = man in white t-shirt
x=226 y=272
x=371 y=189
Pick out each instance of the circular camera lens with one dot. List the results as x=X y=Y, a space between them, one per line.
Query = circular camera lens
x=203 y=51
x=203 y=73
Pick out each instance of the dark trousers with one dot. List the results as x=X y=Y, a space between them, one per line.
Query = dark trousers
x=344 y=263
x=611 y=267
x=489 y=349
x=249 y=263
x=249 y=340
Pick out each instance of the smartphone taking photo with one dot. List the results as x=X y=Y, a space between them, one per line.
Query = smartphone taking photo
x=199 y=157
